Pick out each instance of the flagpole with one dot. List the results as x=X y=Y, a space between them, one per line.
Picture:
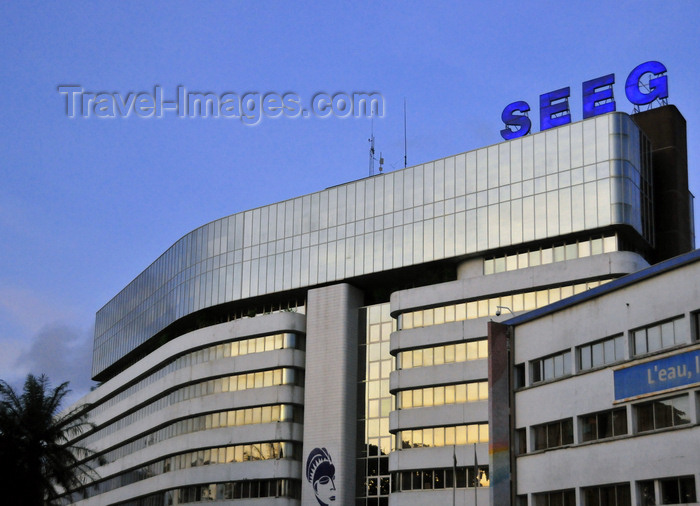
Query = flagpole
x=476 y=474
x=454 y=474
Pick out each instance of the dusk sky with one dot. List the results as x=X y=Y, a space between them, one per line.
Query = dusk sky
x=87 y=203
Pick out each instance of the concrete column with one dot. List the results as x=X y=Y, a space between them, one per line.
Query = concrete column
x=500 y=449
x=673 y=207
x=330 y=395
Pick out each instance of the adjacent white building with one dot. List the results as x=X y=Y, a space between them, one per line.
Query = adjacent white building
x=607 y=399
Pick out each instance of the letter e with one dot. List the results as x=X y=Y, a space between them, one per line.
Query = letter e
x=591 y=97
x=552 y=103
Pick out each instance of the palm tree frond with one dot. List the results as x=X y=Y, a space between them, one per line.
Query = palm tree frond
x=40 y=459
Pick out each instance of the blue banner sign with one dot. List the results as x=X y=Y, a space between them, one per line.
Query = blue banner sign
x=597 y=97
x=657 y=375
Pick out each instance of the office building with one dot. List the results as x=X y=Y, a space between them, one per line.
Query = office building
x=332 y=348
x=607 y=394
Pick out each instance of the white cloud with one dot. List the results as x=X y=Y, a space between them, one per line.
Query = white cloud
x=24 y=308
x=63 y=353
x=35 y=339
x=10 y=366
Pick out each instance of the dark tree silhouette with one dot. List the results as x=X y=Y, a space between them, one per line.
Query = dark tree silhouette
x=37 y=461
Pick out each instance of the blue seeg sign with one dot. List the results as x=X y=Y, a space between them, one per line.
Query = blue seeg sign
x=658 y=375
x=597 y=97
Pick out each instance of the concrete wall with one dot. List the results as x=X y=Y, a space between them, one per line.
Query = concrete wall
x=612 y=264
x=330 y=396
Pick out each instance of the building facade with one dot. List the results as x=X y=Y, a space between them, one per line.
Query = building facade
x=332 y=348
x=607 y=393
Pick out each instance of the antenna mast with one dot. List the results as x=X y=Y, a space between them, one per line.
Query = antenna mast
x=405 y=159
x=371 y=154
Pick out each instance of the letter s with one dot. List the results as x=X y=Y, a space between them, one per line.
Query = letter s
x=520 y=121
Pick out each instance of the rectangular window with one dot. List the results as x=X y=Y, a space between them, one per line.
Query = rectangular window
x=553 y=435
x=603 y=352
x=520 y=442
x=646 y=493
x=658 y=336
x=519 y=376
x=551 y=367
x=607 y=495
x=604 y=424
x=478 y=479
x=676 y=490
x=662 y=413
x=558 y=498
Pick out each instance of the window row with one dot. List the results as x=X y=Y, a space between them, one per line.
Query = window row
x=673 y=490
x=174 y=300
x=208 y=354
x=259 y=379
x=443 y=436
x=274 y=450
x=232 y=418
x=440 y=395
x=553 y=366
x=607 y=495
x=603 y=425
x=443 y=354
x=676 y=490
x=658 y=336
x=544 y=256
x=651 y=415
x=608 y=351
x=555 y=498
x=525 y=301
x=246 y=489
x=437 y=479
x=603 y=352
x=553 y=434
x=662 y=413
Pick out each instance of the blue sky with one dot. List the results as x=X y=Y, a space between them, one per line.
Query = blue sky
x=87 y=203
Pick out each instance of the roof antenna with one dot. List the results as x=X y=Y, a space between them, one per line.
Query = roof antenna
x=372 y=158
x=404 y=135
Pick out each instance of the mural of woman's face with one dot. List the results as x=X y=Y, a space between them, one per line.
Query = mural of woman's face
x=325 y=490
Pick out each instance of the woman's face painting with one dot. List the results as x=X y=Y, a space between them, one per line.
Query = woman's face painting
x=325 y=489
